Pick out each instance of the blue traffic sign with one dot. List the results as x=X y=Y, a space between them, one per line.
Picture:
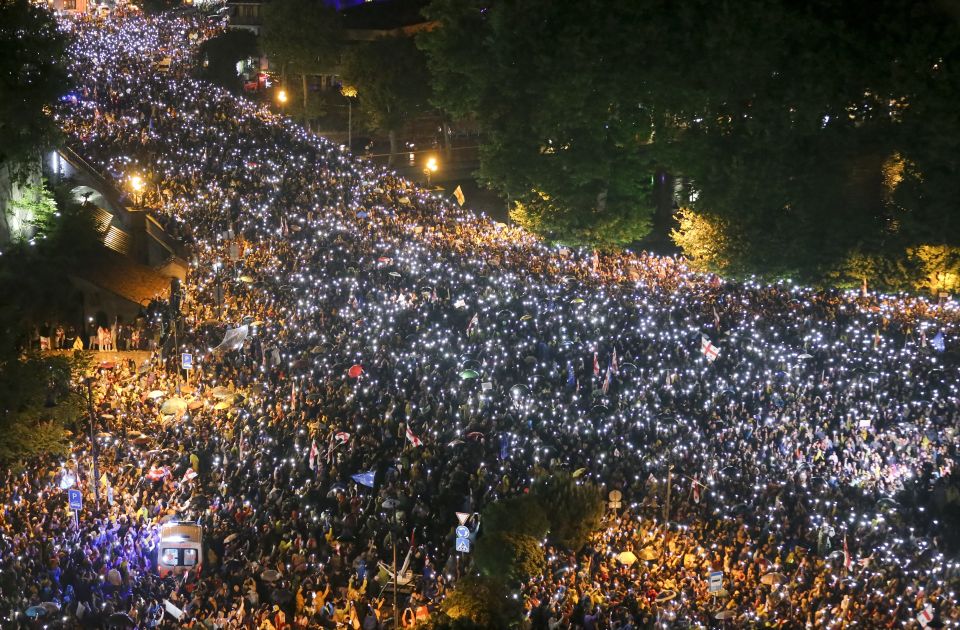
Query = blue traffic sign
x=186 y=361
x=463 y=544
x=716 y=581
x=75 y=498
x=463 y=532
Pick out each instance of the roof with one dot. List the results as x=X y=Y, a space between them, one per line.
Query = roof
x=125 y=278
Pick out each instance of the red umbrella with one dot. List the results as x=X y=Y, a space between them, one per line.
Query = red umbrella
x=355 y=371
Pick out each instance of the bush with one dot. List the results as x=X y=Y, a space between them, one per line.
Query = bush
x=510 y=557
x=575 y=508
x=521 y=514
x=481 y=603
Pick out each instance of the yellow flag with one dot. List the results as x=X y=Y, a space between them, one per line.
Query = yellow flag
x=458 y=193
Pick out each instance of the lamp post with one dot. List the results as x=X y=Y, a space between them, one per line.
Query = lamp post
x=137 y=184
x=93 y=441
x=282 y=98
x=351 y=93
x=430 y=167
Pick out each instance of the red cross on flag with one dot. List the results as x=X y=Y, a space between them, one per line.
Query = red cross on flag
x=708 y=349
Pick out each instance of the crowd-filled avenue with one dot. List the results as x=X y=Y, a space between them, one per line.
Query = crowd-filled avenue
x=370 y=358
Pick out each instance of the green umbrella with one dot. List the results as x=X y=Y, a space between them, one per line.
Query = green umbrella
x=469 y=374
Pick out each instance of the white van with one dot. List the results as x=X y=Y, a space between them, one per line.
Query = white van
x=180 y=549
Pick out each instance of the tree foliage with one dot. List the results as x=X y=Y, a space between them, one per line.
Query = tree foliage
x=575 y=511
x=509 y=556
x=816 y=136
x=521 y=514
x=390 y=77
x=483 y=602
x=32 y=78
x=223 y=52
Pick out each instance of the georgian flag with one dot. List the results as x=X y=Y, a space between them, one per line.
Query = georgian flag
x=341 y=437
x=696 y=489
x=708 y=349
x=596 y=365
x=314 y=455
x=190 y=475
x=606 y=381
x=156 y=474
x=614 y=364
x=473 y=322
x=413 y=438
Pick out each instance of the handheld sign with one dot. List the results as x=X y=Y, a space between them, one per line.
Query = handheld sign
x=463 y=544
x=186 y=361
x=463 y=532
x=75 y=499
x=716 y=581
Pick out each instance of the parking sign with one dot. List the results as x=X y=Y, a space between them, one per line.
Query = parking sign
x=186 y=361
x=716 y=581
x=75 y=498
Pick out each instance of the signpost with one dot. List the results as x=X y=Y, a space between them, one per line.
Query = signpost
x=716 y=581
x=186 y=361
x=75 y=500
x=463 y=544
x=463 y=531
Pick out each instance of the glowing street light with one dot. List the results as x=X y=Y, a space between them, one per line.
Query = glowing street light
x=351 y=93
x=430 y=168
x=282 y=97
x=137 y=183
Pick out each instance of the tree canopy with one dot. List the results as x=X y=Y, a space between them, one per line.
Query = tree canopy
x=32 y=78
x=820 y=138
x=391 y=81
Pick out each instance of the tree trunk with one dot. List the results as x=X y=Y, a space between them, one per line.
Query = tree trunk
x=393 y=146
x=303 y=79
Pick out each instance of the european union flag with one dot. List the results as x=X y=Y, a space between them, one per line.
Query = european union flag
x=571 y=378
x=364 y=478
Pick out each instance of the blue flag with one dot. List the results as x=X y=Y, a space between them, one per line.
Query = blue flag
x=504 y=445
x=938 y=343
x=364 y=478
x=571 y=378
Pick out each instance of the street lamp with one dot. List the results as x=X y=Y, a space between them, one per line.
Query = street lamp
x=430 y=168
x=282 y=97
x=137 y=184
x=351 y=93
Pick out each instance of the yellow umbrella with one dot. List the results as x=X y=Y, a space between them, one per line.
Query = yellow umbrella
x=627 y=557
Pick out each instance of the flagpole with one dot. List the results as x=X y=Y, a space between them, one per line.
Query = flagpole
x=396 y=611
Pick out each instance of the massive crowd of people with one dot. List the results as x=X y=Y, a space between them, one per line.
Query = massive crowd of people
x=371 y=359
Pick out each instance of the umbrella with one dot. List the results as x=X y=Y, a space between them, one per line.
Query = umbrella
x=173 y=406
x=355 y=371
x=194 y=404
x=627 y=557
x=246 y=278
x=221 y=392
x=220 y=406
x=36 y=611
x=648 y=553
x=725 y=614
x=578 y=472
x=270 y=575
x=469 y=374
x=390 y=504
x=139 y=438
x=156 y=394
x=773 y=578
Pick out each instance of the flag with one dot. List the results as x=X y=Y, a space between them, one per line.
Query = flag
x=364 y=478
x=314 y=453
x=613 y=362
x=341 y=437
x=458 y=193
x=504 y=445
x=293 y=394
x=696 y=489
x=156 y=474
x=473 y=322
x=571 y=377
x=716 y=318
x=606 y=381
x=189 y=475
x=923 y=338
x=596 y=262
x=596 y=365
x=937 y=342
x=846 y=554
x=413 y=438
x=925 y=616
x=708 y=349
